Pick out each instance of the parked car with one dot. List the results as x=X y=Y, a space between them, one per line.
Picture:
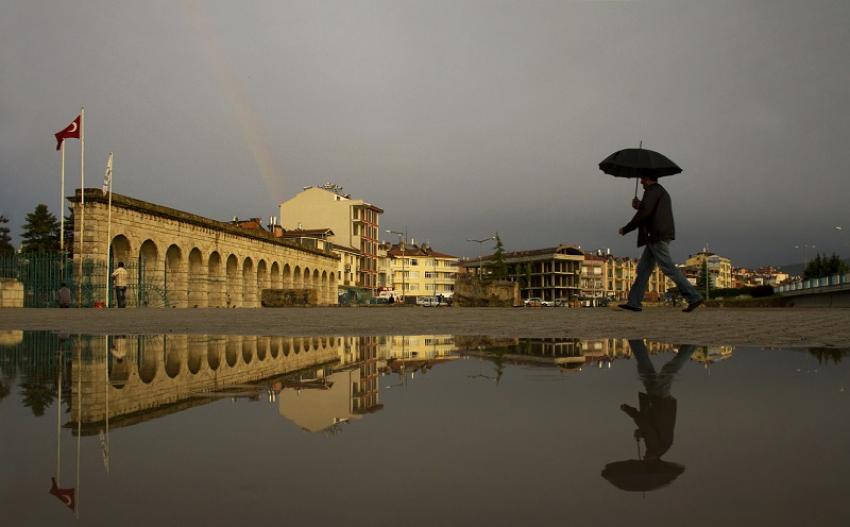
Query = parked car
x=562 y=302
x=547 y=303
x=533 y=302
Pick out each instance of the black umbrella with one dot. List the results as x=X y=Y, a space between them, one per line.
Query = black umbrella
x=641 y=475
x=638 y=163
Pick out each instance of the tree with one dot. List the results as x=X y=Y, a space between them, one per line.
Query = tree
x=41 y=231
x=704 y=281
x=498 y=267
x=5 y=239
x=822 y=266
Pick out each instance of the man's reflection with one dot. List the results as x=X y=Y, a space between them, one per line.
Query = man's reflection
x=655 y=419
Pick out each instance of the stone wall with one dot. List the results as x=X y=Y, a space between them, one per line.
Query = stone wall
x=472 y=292
x=11 y=293
x=199 y=261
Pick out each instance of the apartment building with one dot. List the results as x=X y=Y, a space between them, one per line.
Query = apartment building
x=419 y=270
x=605 y=276
x=551 y=274
x=354 y=223
x=719 y=268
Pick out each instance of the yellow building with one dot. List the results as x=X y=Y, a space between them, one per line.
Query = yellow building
x=419 y=270
x=355 y=226
x=719 y=268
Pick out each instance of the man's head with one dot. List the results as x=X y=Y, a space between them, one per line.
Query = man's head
x=120 y=264
x=648 y=180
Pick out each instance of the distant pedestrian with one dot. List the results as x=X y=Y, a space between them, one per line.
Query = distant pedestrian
x=119 y=281
x=654 y=222
x=64 y=295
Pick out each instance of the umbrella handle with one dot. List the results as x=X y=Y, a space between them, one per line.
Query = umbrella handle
x=636 y=184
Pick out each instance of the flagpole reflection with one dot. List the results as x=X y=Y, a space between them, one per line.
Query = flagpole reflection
x=79 y=420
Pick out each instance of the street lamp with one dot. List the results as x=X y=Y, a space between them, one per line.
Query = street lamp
x=402 y=240
x=479 y=242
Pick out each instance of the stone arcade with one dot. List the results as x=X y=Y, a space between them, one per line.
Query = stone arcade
x=202 y=262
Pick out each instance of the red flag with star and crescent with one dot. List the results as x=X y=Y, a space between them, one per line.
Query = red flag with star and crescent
x=66 y=496
x=72 y=131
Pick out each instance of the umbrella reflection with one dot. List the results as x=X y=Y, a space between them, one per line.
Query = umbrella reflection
x=656 y=421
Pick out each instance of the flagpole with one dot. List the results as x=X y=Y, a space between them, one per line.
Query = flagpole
x=79 y=419
x=59 y=418
x=108 y=223
x=62 y=198
x=82 y=203
x=106 y=384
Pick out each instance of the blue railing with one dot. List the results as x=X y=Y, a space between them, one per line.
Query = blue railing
x=815 y=283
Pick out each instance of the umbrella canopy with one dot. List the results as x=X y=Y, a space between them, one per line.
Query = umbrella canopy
x=637 y=163
x=641 y=475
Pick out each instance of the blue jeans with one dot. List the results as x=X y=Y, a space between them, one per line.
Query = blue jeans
x=659 y=253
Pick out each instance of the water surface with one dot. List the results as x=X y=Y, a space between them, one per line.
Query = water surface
x=418 y=430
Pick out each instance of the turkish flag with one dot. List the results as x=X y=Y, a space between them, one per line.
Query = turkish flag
x=66 y=496
x=72 y=131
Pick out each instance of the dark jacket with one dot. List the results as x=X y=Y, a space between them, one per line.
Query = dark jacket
x=654 y=218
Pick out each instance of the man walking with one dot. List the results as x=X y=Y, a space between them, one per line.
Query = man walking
x=119 y=281
x=654 y=222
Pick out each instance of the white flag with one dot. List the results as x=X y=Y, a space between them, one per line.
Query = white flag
x=107 y=177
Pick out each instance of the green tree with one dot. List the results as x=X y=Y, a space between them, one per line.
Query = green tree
x=705 y=278
x=498 y=267
x=5 y=239
x=822 y=266
x=41 y=230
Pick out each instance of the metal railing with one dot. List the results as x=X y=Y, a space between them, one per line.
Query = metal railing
x=42 y=274
x=815 y=283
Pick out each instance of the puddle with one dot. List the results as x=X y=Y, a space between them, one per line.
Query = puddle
x=425 y=429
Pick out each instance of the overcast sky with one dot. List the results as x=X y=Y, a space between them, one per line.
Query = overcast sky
x=459 y=118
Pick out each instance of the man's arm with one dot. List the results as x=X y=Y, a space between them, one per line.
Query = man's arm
x=646 y=209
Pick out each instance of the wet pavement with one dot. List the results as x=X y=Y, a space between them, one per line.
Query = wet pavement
x=420 y=429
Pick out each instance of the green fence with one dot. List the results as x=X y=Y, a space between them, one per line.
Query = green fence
x=43 y=273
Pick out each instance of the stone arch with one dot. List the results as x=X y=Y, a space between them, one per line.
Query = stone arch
x=249 y=283
x=197 y=350
x=175 y=277
x=306 y=277
x=296 y=278
x=323 y=291
x=276 y=281
x=120 y=251
x=287 y=277
x=173 y=357
x=233 y=294
x=149 y=275
x=286 y=344
x=215 y=281
x=275 y=345
x=231 y=352
x=118 y=362
x=263 y=344
x=297 y=345
x=197 y=280
x=214 y=351
x=263 y=279
x=316 y=285
x=249 y=348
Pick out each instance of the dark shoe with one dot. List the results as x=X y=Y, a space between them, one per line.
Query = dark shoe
x=627 y=307
x=693 y=306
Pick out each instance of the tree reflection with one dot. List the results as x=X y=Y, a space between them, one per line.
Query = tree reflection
x=826 y=355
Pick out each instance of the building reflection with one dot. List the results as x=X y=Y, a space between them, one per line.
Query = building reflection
x=316 y=382
x=131 y=379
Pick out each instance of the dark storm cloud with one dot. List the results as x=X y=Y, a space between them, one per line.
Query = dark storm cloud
x=458 y=118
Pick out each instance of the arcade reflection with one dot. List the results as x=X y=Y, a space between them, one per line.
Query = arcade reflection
x=323 y=383
x=316 y=382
